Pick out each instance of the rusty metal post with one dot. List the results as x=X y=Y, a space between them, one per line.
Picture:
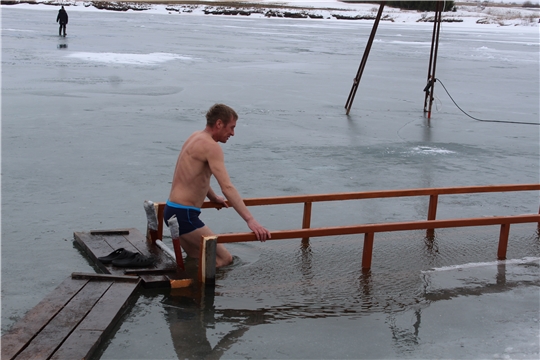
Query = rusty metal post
x=368 y=251
x=428 y=100
x=160 y=208
x=178 y=253
x=306 y=221
x=364 y=59
x=175 y=236
x=503 y=241
x=429 y=83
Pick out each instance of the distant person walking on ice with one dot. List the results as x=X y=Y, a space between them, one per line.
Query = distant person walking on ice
x=62 y=18
x=200 y=158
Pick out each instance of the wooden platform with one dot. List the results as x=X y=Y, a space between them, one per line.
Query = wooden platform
x=100 y=243
x=73 y=320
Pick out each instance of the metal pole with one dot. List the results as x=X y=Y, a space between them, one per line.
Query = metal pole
x=428 y=86
x=364 y=59
x=435 y=47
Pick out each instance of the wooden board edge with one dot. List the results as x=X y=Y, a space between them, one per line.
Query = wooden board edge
x=108 y=277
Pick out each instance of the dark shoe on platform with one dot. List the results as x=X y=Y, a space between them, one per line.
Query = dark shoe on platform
x=116 y=255
x=135 y=260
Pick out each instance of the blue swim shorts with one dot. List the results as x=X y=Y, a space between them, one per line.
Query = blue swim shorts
x=187 y=216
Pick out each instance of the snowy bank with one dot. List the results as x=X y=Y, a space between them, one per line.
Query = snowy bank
x=467 y=13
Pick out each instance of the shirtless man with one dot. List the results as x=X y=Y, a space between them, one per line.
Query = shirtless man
x=200 y=158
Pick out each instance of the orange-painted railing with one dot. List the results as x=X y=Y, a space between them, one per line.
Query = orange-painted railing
x=370 y=229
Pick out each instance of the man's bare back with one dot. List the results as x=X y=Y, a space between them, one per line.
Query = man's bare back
x=192 y=174
x=200 y=158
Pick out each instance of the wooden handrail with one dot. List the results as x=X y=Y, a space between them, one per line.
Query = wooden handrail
x=207 y=271
x=370 y=229
x=381 y=194
x=308 y=200
x=386 y=227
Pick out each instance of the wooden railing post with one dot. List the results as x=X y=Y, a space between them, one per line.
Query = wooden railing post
x=432 y=213
x=368 y=251
x=503 y=241
x=207 y=260
x=306 y=220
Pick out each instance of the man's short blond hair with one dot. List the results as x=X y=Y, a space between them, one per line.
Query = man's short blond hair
x=220 y=111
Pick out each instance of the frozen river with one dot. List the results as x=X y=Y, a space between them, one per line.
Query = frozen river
x=92 y=125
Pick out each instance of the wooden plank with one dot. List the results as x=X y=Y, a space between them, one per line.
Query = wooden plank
x=91 y=276
x=210 y=261
x=79 y=343
x=150 y=271
x=178 y=284
x=94 y=247
x=101 y=245
x=98 y=324
x=163 y=261
x=155 y=281
x=121 y=241
x=37 y=318
x=109 y=232
x=46 y=342
x=139 y=242
x=207 y=259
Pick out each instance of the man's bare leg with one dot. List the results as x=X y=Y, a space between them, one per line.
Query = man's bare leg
x=191 y=243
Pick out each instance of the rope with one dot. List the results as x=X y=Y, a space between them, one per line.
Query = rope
x=483 y=120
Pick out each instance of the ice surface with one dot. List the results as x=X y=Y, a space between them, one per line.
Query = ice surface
x=133 y=59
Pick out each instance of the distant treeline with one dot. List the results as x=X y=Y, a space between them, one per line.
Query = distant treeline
x=420 y=5
x=528 y=4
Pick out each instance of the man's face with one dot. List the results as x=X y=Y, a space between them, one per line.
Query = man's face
x=226 y=131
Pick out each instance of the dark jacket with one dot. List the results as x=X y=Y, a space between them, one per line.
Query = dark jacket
x=62 y=16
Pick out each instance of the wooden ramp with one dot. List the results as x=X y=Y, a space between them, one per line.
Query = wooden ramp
x=73 y=320
x=100 y=243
